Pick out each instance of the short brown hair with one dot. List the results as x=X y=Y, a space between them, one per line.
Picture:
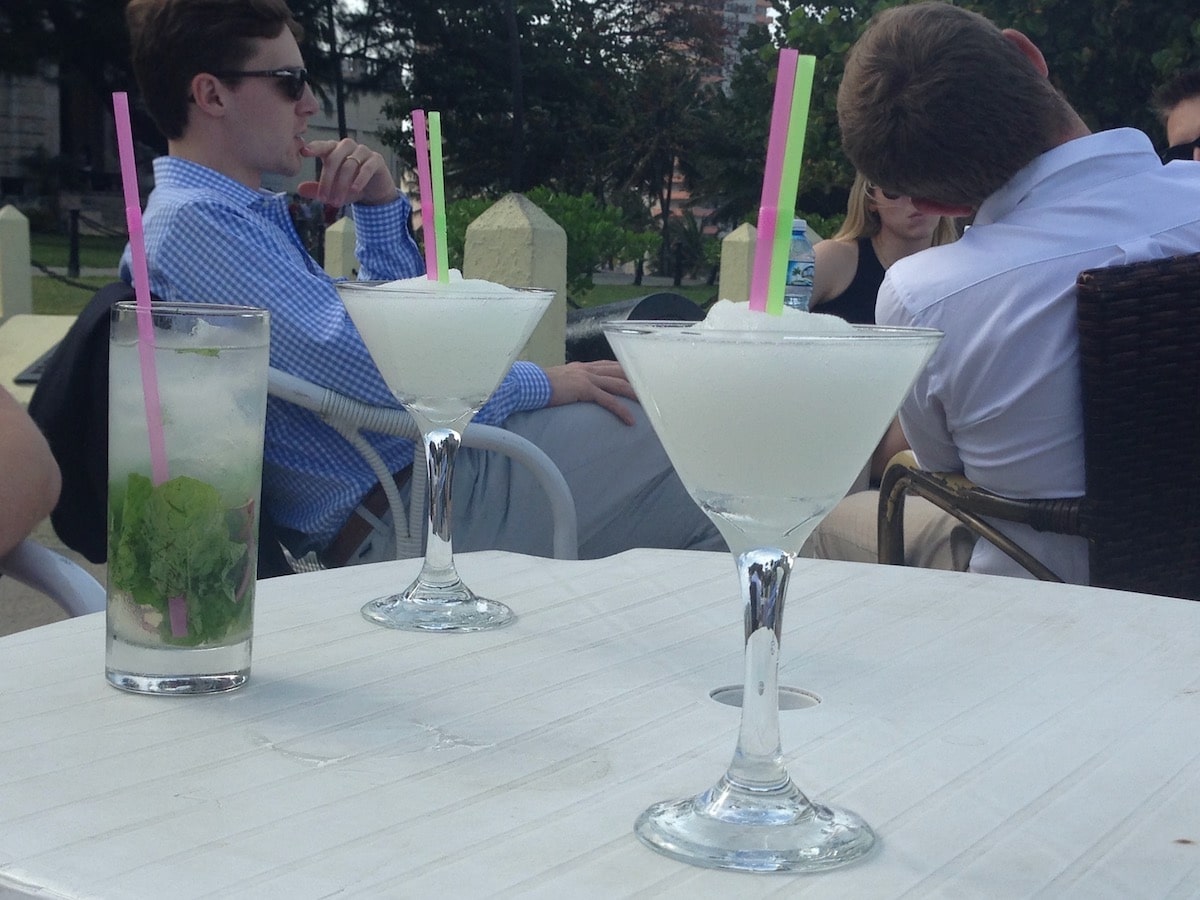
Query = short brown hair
x=172 y=41
x=1183 y=86
x=936 y=103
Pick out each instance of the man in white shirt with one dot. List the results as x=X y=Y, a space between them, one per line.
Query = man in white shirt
x=940 y=105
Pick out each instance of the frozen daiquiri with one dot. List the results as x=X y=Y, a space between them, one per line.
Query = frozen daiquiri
x=767 y=419
x=442 y=348
x=182 y=552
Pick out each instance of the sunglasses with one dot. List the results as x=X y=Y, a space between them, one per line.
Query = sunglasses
x=292 y=79
x=887 y=195
x=1181 y=151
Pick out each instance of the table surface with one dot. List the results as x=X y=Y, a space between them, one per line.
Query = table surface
x=1005 y=738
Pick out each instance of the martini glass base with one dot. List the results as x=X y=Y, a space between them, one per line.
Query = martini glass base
x=424 y=606
x=772 y=831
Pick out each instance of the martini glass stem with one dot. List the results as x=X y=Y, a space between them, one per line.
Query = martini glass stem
x=758 y=759
x=438 y=600
x=441 y=448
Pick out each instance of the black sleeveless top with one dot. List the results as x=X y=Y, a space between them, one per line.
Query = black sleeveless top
x=857 y=302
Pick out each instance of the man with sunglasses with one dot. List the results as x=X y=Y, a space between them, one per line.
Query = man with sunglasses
x=939 y=104
x=1178 y=105
x=225 y=82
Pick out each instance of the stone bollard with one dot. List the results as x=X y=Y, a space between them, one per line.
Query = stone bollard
x=340 y=261
x=517 y=244
x=737 y=263
x=16 y=273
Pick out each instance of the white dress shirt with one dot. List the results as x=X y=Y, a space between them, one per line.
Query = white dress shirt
x=1000 y=398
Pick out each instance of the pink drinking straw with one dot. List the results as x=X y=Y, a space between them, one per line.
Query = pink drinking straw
x=141 y=288
x=785 y=83
x=789 y=182
x=425 y=188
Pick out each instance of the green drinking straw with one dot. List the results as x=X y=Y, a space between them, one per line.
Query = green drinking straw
x=789 y=182
x=439 y=195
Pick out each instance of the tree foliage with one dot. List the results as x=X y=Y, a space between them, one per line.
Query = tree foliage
x=1106 y=56
x=536 y=92
x=605 y=97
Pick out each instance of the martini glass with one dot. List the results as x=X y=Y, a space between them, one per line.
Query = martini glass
x=767 y=430
x=442 y=349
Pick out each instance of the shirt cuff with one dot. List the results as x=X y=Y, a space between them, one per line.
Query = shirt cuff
x=382 y=219
x=533 y=386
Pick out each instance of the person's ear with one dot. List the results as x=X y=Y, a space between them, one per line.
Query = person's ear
x=934 y=208
x=208 y=94
x=1028 y=49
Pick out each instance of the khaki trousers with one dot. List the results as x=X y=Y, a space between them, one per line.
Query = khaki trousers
x=932 y=539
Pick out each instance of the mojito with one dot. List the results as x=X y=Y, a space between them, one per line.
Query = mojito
x=182 y=549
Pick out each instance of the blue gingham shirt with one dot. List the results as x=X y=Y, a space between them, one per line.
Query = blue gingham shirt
x=211 y=239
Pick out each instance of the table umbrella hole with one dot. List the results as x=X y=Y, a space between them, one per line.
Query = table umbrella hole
x=789 y=697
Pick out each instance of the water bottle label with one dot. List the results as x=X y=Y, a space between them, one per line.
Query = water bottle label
x=800 y=272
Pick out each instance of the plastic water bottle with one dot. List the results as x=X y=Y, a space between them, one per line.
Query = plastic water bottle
x=797 y=289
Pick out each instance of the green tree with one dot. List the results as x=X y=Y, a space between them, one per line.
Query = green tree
x=660 y=129
x=1105 y=55
x=531 y=91
x=732 y=140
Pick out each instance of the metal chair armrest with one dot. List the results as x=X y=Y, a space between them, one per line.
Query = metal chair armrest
x=960 y=497
x=351 y=417
x=65 y=582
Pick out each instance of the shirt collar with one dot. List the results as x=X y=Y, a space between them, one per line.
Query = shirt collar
x=1069 y=168
x=185 y=173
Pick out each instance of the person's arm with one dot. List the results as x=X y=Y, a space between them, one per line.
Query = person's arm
x=352 y=173
x=311 y=333
x=207 y=250
x=29 y=477
x=529 y=387
x=892 y=442
x=922 y=416
x=834 y=265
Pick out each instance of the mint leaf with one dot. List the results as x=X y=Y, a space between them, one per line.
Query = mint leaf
x=178 y=540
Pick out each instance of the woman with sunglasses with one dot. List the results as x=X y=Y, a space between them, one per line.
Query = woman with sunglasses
x=880 y=228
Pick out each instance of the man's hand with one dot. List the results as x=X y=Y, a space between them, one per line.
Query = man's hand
x=350 y=173
x=599 y=382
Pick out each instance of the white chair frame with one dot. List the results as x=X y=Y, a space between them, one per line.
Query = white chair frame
x=352 y=417
x=64 y=581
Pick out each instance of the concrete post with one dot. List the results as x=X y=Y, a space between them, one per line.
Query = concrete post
x=340 y=261
x=737 y=263
x=16 y=274
x=516 y=243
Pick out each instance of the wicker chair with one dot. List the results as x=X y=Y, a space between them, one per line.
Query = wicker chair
x=1139 y=337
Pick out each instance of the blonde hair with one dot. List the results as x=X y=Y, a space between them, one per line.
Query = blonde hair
x=862 y=218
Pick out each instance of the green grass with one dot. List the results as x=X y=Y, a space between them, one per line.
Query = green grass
x=95 y=251
x=53 y=298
